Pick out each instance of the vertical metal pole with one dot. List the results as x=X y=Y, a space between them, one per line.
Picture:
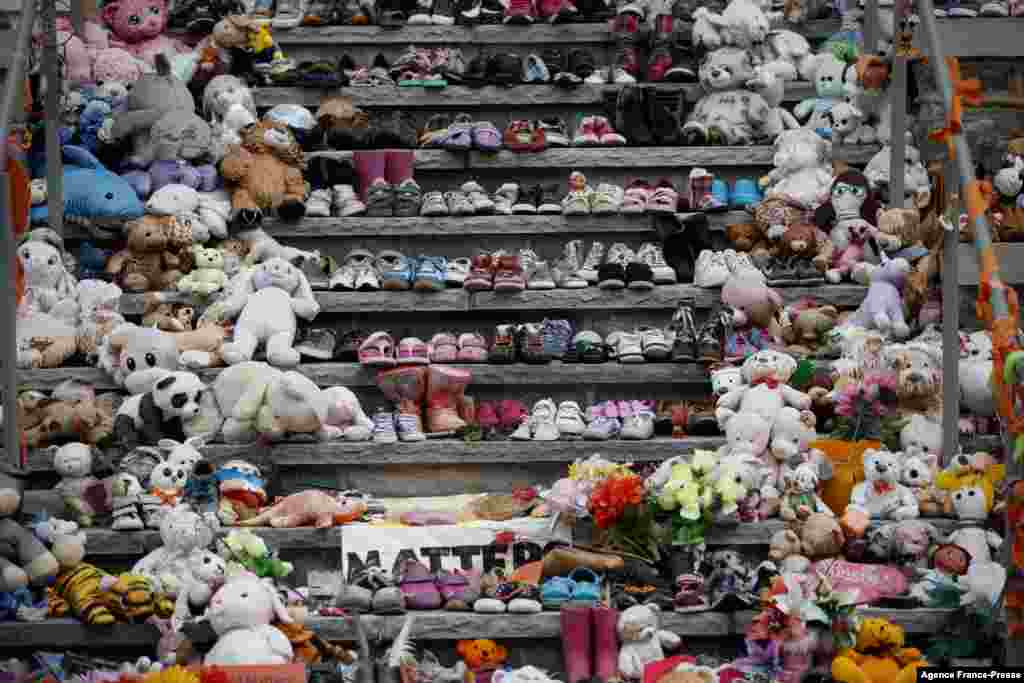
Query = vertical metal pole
x=950 y=346
x=871 y=26
x=898 y=124
x=77 y=16
x=54 y=163
x=13 y=88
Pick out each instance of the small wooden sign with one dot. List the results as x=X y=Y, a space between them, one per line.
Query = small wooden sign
x=280 y=673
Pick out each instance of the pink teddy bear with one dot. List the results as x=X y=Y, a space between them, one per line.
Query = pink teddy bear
x=138 y=26
x=88 y=58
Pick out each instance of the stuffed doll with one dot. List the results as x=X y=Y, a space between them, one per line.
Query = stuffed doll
x=730 y=112
x=100 y=314
x=849 y=218
x=881 y=495
x=798 y=184
x=242 y=490
x=808 y=326
x=183 y=534
x=85 y=496
x=161 y=412
x=765 y=393
x=275 y=294
x=265 y=174
x=138 y=26
x=207 y=277
x=882 y=308
x=49 y=286
x=305 y=508
x=800 y=495
x=205 y=214
x=241 y=613
x=642 y=641
x=146 y=264
x=878 y=656
x=831 y=77
x=949 y=564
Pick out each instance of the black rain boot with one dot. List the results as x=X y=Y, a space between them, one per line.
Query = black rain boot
x=665 y=111
x=631 y=116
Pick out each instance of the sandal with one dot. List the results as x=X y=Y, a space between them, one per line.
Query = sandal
x=418 y=586
x=557 y=591
x=486 y=137
x=587 y=585
x=378 y=351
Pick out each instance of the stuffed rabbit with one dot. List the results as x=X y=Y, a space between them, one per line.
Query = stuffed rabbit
x=241 y=613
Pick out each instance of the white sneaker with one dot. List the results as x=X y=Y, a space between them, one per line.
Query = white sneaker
x=346 y=201
x=653 y=256
x=543 y=420
x=567 y=269
x=506 y=196
x=628 y=346
x=384 y=428
x=588 y=271
x=606 y=200
x=738 y=262
x=621 y=254
x=569 y=419
x=597 y=77
x=482 y=204
x=710 y=270
x=655 y=343
x=640 y=425
x=622 y=77
x=319 y=204
x=458 y=271
x=459 y=204
x=576 y=203
x=366 y=279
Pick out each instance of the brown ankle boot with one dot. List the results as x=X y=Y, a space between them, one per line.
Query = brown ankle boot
x=561 y=561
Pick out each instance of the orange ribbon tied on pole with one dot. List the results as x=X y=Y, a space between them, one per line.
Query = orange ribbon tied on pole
x=967 y=90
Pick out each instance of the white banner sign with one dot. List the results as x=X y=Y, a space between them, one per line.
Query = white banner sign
x=447 y=547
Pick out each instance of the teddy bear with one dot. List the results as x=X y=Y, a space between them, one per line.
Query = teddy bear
x=832 y=78
x=481 y=654
x=165 y=315
x=100 y=303
x=821 y=536
x=739 y=479
x=46 y=421
x=265 y=173
x=800 y=181
x=89 y=57
x=906 y=543
x=241 y=613
x=274 y=294
x=182 y=533
x=786 y=549
x=765 y=392
x=807 y=328
x=234 y=252
x=881 y=495
x=162 y=412
x=882 y=307
x=748 y=238
x=975 y=374
x=137 y=26
x=43 y=340
x=146 y=264
x=917 y=186
x=746 y=433
x=754 y=310
x=730 y=112
x=878 y=656
x=918 y=473
x=85 y=496
x=207 y=276
x=797 y=254
x=800 y=495
x=642 y=640
x=918 y=369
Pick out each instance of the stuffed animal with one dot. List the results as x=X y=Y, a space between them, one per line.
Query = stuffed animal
x=792 y=435
x=725 y=378
x=24 y=560
x=136 y=357
x=184 y=534
x=831 y=77
x=798 y=184
x=481 y=654
x=138 y=26
x=786 y=550
x=206 y=573
x=746 y=433
x=741 y=24
x=100 y=303
x=800 y=495
x=738 y=482
x=241 y=613
x=917 y=187
x=765 y=392
x=146 y=263
x=971 y=495
x=730 y=112
x=798 y=251
x=642 y=640
x=320 y=509
x=205 y=214
x=878 y=656
x=849 y=216
x=162 y=412
x=275 y=294
x=821 y=536
x=97 y=598
x=50 y=420
x=85 y=496
x=918 y=474
x=265 y=173
x=881 y=495
x=882 y=308
x=345 y=413
x=44 y=340
x=748 y=238
x=918 y=368
x=49 y=286
x=808 y=327
x=242 y=491
x=906 y=543
x=208 y=275
x=975 y=373
x=163 y=315
x=754 y=307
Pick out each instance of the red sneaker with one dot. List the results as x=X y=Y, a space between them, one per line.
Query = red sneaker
x=481 y=274
x=520 y=12
x=519 y=136
x=509 y=275
x=539 y=141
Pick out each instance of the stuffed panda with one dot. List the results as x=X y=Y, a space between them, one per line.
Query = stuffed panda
x=161 y=413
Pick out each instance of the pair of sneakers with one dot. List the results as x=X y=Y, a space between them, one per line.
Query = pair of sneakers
x=714 y=268
x=468 y=347
x=622 y=269
x=548 y=422
x=633 y=420
x=593 y=131
x=499 y=272
x=384 y=200
x=469 y=200
x=389 y=270
x=641 y=197
x=391 y=427
x=498 y=419
x=644 y=344
x=340 y=200
x=702 y=344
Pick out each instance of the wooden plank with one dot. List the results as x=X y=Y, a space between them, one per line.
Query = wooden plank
x=59 y=634
x=443 y=452
x=443 y=226
x=1011 y=263
x=919 y=621
x=978 y=38
x=646 y=157
x=354 y=375
x=489 y=97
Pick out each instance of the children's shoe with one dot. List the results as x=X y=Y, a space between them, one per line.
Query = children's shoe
x=555 y=131
x=586 y=347
x=444 y=348
x=519 y=136
x=664 y=199
x=606 y=200
x=384 y=428
x=586 y=132
x=472 y=348
x=503 y=348
x=607 y=135
x=377 y=351
x=319 y=204
x=481 y=274
x=434 y=204
x=549 y=203
x=318 y=343
x=380 y=199
x=508 y=275
x=539 y=276
x=535 y=70
x=636 y=197
x=701 y=198
x=523 y=431
x=656 y=344
x=604 y=422
x=288 y=14
x=413 y=351
x=745 y=194
x=526 y=200
x=628 y=346
x=431 y=272
x=458 y=204
x=421 y=14
x=408 y=198
x=639 y=425
x=343 y=279
x=639 y=276
x=720 y=198
x=710 y=270
x=557 y=337
x=593 y=260
x=542 y=420
x=478 y=199
x=530 y=341
x=505 y=198
x=652 y=255
x=569 y=420
x=347 y=350
x=486 y=137
x=576 y=203
x=346 y=202
x=711 y=336
x=443 y=13
x=683 y=331
x=488 y=419
x=567 y=268
x=458 y=271
x=519 y=12
x=366 y=278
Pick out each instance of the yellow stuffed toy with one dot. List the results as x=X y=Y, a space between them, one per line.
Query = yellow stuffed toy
x=481 y=654
x=99 y=599
x=878 y=656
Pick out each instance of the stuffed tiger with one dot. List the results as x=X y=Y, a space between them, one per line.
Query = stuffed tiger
x=98 y=598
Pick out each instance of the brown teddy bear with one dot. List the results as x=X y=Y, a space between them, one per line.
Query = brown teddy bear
x=748 y=237
x=165 y=315
x=800 y=241
x=44 y=421
x=147 y=263
x=265 y=174
x=821 y=536
x=807 y=327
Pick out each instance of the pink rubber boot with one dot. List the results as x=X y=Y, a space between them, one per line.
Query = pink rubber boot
x=577 y=643
x=445 y=390
x=606 y=644
x=370 y=166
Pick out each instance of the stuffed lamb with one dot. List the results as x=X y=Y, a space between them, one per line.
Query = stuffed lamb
x=241 y=614
x=169 y=567
x=274 y=294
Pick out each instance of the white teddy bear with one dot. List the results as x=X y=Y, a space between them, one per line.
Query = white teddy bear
x=765 y=392
x=746 y=433
x=241 y=613
x=881 y=495
x=274 y=295
x=642 y=640
x=169 y=567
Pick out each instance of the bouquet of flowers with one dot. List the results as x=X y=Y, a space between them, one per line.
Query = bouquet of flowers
x=245 y=551
x=570 y=496
x=864 y=408
x=696 y=495
x=624 y=515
